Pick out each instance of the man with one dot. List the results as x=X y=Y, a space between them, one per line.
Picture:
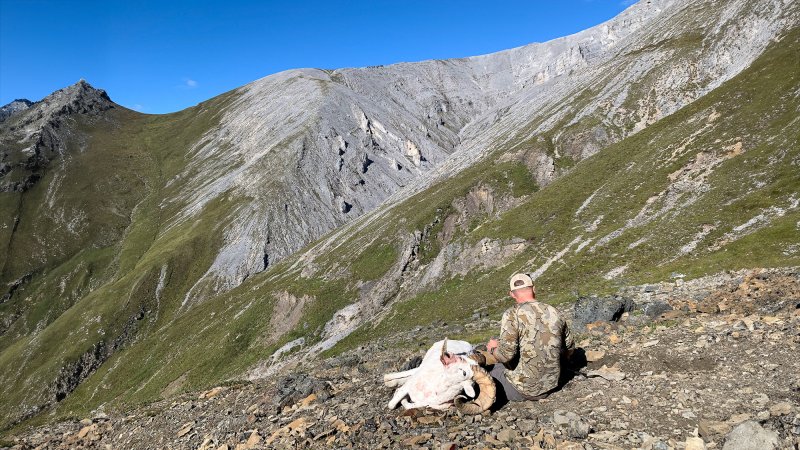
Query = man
x=533 y=340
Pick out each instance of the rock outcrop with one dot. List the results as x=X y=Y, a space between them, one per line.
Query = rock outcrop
x=14 y=107
x=33 y=134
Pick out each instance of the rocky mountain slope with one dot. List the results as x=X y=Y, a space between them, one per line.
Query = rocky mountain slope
x=678 y=379
x=150 y=255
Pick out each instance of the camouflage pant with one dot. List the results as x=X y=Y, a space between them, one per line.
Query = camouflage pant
x=511 y=393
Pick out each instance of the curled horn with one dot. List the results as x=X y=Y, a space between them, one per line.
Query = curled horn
x=486 y=397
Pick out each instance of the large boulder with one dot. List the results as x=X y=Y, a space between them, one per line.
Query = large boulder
x=604 y=309
x=750 y=435
x=655 y=308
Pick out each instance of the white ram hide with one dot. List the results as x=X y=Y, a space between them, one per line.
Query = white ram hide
x=433 y=384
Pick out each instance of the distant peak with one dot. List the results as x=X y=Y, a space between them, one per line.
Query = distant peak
x=23 y=101
x=80 y=97
x=20 y=104
x=83 y=87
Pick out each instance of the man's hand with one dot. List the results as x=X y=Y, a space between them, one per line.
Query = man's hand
x=492 y=345
x=448 y=358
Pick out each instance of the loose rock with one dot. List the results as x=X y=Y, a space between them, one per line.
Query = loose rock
x=751 y=436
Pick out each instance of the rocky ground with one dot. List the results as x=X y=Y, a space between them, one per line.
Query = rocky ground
x=718 y=370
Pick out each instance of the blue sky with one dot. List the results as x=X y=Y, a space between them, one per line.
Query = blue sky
x=163 y=56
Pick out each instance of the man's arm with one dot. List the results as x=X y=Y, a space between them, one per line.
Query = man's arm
x=508 y=345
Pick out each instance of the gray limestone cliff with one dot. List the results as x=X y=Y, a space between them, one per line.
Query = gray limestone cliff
x=323 y=147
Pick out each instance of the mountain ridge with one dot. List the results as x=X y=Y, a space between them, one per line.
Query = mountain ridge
x=439 y=150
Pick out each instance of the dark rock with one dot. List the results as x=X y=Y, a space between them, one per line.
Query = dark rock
x=74 y=372
x=593 y=309
x=370 y=426
x=295 y=387
x=412 y=363
x=775 y=304
x=655 y=309
x=13 y=286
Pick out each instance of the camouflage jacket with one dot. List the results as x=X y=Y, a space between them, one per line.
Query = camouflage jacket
x=533 y=337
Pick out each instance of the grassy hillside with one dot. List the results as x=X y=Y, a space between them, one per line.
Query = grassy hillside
x=712 y=187
x=722 y=172
x=96 y=282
